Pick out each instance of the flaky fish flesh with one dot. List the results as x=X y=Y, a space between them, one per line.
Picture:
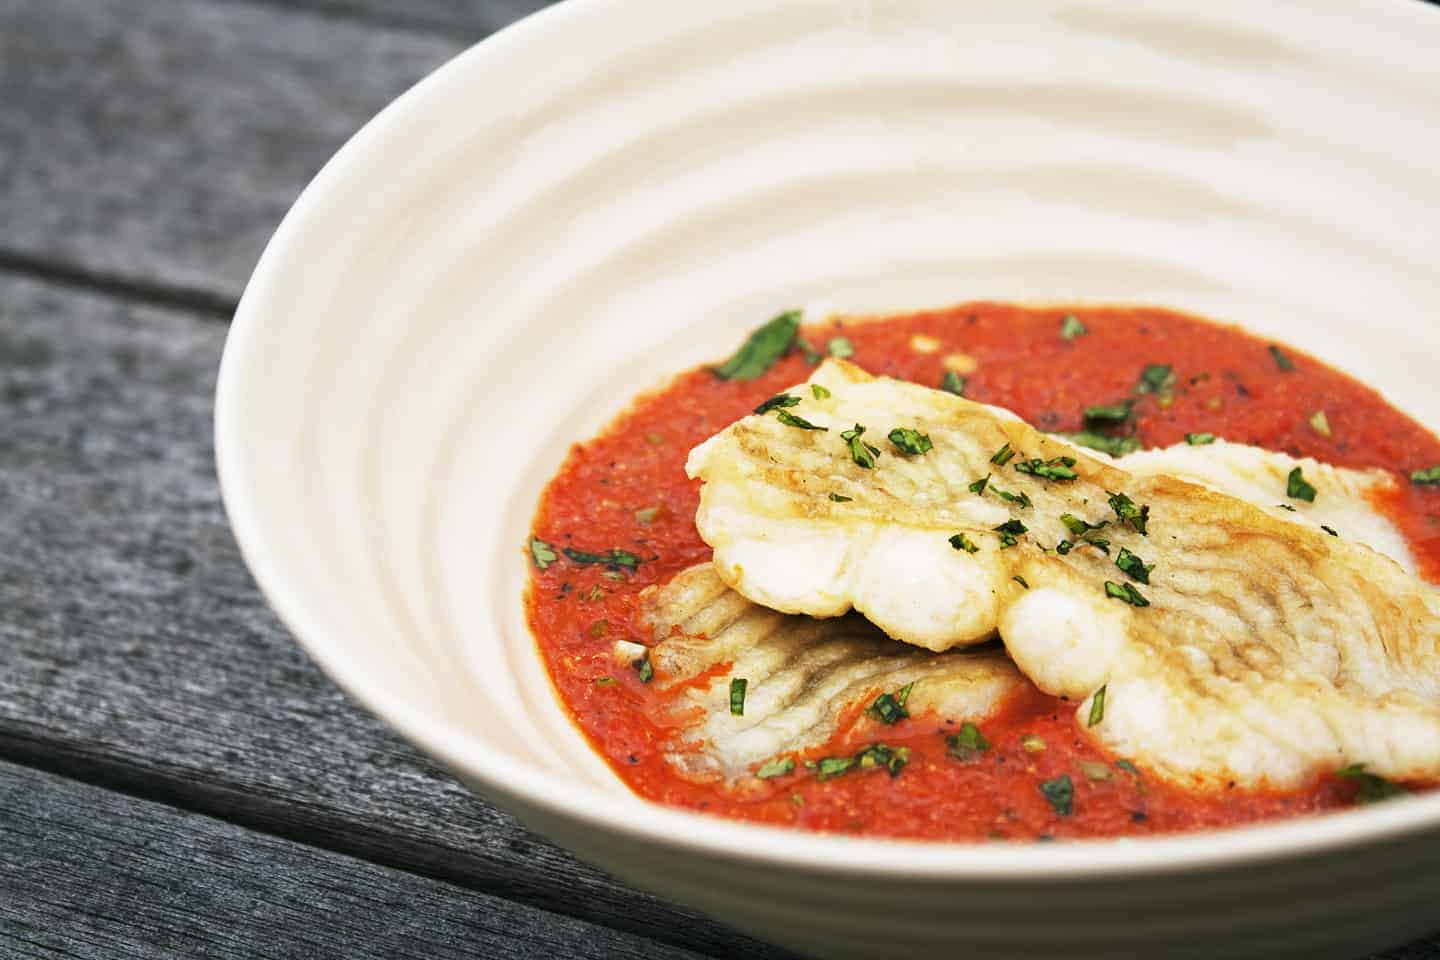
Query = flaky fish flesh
x=1232 y=641
x=802 y=676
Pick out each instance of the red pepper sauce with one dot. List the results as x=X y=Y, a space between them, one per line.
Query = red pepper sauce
x=626 y=489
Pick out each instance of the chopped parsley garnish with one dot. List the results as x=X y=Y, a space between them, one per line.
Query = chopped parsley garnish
x=968 y=744
x=643 y=666
x=1124 y=591
x=1373 y=787
x=840 y=498
x=1021 y=500
x=832 y=767
x=1009 y=531
x=1058 y=468
x=1285 y=506
x=604 y=681
x=1064 y=547
x=1298 y=488
x=1320 y=423
x=861 y=452
x=1135 y=568
x=1020 y=580
x=1101 y=545
x=1080 y=527
x=1156 y=378
x=979 y=485
x=1109 y=412
x=1002 y=456
x=962 y=542
x=1329 y=530
x=1071 y=327
x=910 y=441
x=841 y=348
x=1125 y=509
x=890 y=707
x=1115 y=446
x=542 y=553
x=614 y=559
x=808 y=351
x=1061 y=794
x=892 y=759
x=737 y=696
x=952 y=382
x=1199 y=439
x=790 y=420
x=1426 y=478
x=1281 y=360
x=776 y=402
x=819 y=392
x=1097 y=706
x=763 y=347
x=776 y=768
x=1128 y=767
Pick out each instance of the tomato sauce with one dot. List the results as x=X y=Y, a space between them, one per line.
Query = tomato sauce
x=626 y=489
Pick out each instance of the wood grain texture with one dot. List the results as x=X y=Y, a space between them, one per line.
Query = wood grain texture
x=463 y=19
x=89 y=873
x=139 y=654
x=161 y=141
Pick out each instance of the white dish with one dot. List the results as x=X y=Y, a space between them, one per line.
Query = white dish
x=613 y=190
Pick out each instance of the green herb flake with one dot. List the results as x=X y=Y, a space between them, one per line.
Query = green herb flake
x=1102 y=545
x=1020 y=580
x=952 y=382
x=829 y=767
x=1115 y=446
x=841 y=498
x=861 y=452
x=1117 y=412
x=962 y=542
x=892 y=759
x=1281 y=360
x=1286 y=506
x=1124 y=591
x=1321 y=424
x=1298 y=488
x=800 y=423
x=979 y=485
x=1158 y=378
x=1002 y=456
x=1128 y=513
x=645 y=669
x=613 y=559
x=763 y=347
x=1078 y=527
x=1009 y=531
x=819 y=392
x=1021 y=500
x=1064 y=547
x=841 y=348
x=776 y=768
x=1199 y=439
x=968 y=744
x=808 y=351
x=604 y=681
x=1094 y=770
x=1128 y=767
x=1071 y=327
x=1061 y=794
x=776 y=402
x=889 y=708
x=1134 y=567
x=737 y=696
x=1330 y=530
x=909 y=441
x=1058 y=468
x=542 y=553
x=1426 y=478
x=1097 y=706
x=1373 y=787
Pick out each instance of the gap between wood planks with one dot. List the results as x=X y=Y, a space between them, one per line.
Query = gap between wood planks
x=76 y=277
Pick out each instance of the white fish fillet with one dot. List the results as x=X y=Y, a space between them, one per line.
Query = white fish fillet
x=1269 y=651
x=802 y=675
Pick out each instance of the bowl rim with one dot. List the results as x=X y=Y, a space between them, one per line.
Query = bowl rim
x=627 y=816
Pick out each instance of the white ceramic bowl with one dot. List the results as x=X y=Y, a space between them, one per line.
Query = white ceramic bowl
x=616 y=189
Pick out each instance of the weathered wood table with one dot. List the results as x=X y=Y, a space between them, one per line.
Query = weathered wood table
x=176 y=778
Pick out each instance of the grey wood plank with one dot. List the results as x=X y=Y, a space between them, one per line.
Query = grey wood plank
x=458 y=18
x=161 y=141
x=85 y=872
x=139 y=654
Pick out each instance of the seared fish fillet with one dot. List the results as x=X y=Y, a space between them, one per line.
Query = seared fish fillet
x=802 y=675
x=1232 y=644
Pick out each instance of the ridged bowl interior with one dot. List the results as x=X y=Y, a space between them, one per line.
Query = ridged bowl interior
x=615 y=190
